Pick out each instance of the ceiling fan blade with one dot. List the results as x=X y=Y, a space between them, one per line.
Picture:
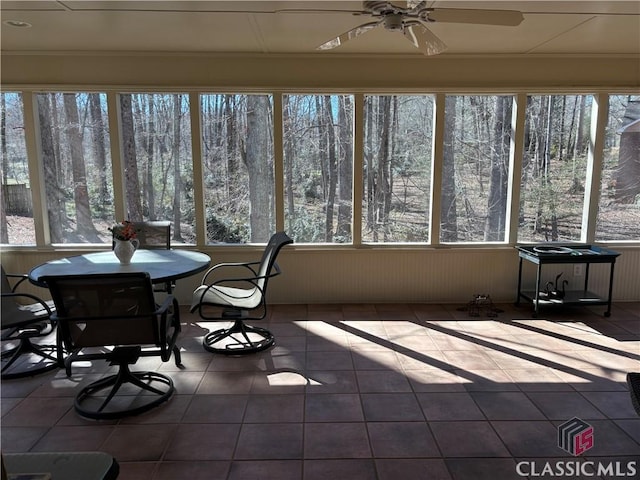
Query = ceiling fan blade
x=510 y=18
x=345 y=37
x=423 y=39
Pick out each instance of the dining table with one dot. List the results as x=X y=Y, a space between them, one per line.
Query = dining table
x=163 y=266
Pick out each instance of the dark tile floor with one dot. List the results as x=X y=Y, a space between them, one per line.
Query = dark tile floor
x=364 y=392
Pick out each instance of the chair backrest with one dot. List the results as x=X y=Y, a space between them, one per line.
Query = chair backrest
x=268 y=260
x=19 y=309
x=105 y=309
x=154 y=234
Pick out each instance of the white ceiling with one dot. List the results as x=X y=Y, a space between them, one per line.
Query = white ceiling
x=298 y=27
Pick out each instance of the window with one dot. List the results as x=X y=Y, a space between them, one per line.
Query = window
x=398 y=132
x=554 y=168
x=619 y=209
x=238 y=136
x=237 y=151
x=475 y=172
x=318 y=164
x=16 y=221
x=77 y=166
x=158 y=166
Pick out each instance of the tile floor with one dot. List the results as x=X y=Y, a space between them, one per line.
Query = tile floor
x=364 y=392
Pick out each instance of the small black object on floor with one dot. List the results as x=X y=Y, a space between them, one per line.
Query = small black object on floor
x=481 y=306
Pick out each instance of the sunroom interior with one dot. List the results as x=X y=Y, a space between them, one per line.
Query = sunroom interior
x=407 y=181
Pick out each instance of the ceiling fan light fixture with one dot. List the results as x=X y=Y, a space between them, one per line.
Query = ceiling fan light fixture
x=17 y=23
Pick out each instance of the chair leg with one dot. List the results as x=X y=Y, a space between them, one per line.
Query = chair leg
x=240 y=339
x=48 y=353
x=142 y=380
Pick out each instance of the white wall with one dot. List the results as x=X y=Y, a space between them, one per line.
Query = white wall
x=361 y=275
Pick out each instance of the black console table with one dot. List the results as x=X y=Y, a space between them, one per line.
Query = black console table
x=545 y=254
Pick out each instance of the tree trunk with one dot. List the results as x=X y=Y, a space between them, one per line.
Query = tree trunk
x=150 y=150
x=496 y=208
x=369 y=184
x=382 y=187
x=449 y=220
x=345 y=171
x=257 y=163
x=84 y=220
x=54 y=191
x=548 y=188
x=332 y=167
x=289 y=155
x=4 y=233
x=177 y=176
x=132 y=184
x=100 y=151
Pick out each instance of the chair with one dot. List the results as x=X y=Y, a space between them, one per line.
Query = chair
x=156 y=234
x=242 y=297
x=118 y=310
x=633 y=382
x=152 y=234
x=25 y=317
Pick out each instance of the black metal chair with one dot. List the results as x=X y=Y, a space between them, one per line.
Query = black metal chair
x=24 y=318
x=153 y=234
x=116 y=310
x=633 y=382
x=241 y=297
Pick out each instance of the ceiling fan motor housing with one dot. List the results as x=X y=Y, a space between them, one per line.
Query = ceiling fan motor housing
x=381 y=8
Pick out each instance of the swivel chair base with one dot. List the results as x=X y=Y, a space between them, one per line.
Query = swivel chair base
x=239 y=339
x=92 y=395
x=23 y=350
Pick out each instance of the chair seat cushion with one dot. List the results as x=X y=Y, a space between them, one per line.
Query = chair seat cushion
x=225 y=296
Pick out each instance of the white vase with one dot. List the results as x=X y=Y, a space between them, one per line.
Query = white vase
x=124 y=250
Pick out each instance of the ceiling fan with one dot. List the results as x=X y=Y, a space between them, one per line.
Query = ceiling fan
x=412 y=22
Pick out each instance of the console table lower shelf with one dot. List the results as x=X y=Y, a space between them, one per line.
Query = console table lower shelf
x=571 y=298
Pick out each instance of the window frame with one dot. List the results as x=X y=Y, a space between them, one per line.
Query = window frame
x=589 y=214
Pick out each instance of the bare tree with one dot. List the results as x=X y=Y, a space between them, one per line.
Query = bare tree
x=52 y=170
x=177 y=176
x=345 y=170
x=257 y=162
x=97 y=136
x=134 y=205
x=4 y=233
x=84 y=220
x=449 y=217
x=496 y=208
x=332 y=166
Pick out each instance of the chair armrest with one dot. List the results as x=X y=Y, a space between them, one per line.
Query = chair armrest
x=275 y=269
x=219 y=266
x=21 y=276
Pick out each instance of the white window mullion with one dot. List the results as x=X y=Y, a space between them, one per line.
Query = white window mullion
x=198 y=170
x=436 y=170
x=358 y=167
x=115 y=139
x=595 y=156
x=278 y=160
x=518 y=118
